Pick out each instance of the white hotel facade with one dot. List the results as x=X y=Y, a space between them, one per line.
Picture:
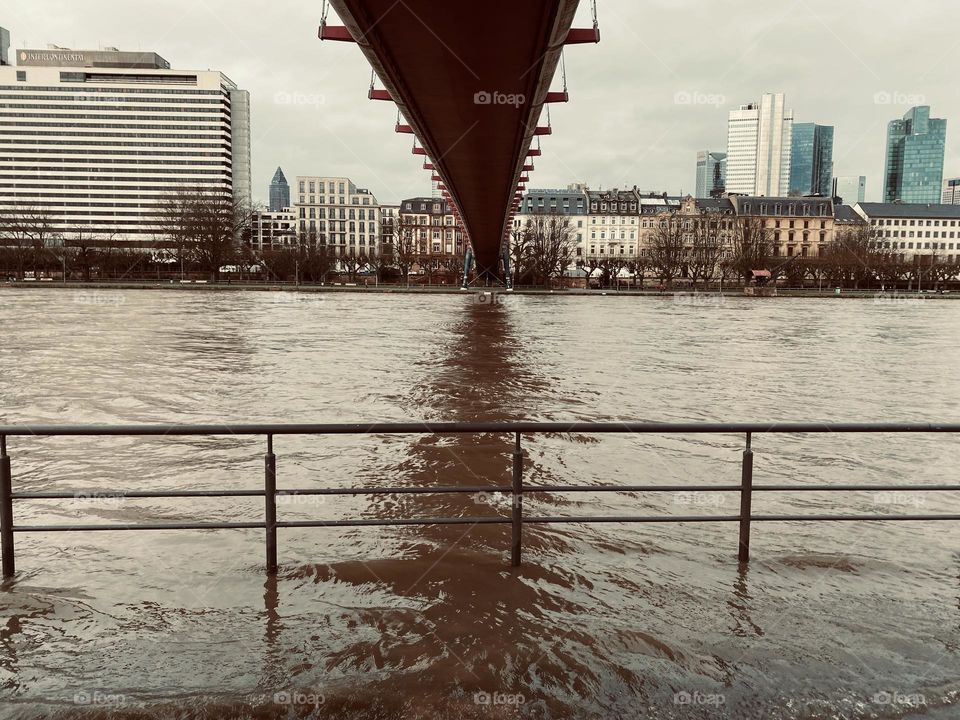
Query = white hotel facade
x=97 y=139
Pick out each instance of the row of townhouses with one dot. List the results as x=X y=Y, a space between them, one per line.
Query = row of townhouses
x=622 y=222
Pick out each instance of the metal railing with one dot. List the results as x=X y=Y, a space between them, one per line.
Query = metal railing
x=517 y=489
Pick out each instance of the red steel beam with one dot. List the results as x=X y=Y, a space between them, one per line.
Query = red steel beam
x=471 y=79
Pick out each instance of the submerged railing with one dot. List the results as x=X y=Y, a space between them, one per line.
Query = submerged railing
x=517 y=489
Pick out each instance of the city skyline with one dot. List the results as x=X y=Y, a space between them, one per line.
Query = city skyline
x=310 y=113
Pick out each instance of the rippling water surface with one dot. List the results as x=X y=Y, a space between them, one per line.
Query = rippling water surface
x=851 y=620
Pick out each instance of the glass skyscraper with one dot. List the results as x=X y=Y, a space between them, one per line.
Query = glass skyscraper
x=711 y=174
x=914 y=166
x=279 y=192
x=811 y=159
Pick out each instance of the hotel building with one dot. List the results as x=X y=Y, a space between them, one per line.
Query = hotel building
x=98 y=139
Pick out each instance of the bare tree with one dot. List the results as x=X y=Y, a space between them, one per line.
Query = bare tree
x=666 y=249
x=520 y=255
x=317 y=263
x=708 y=243
x=637 y=266
x=208 y=226
x=403 y=247
x=551 y=246
x=27 y=231
x=852 y=259
x=351 y=261
x=750 y=245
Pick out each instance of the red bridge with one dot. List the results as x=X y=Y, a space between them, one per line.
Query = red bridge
x=470 y=80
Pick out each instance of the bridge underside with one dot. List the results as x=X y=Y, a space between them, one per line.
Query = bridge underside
x=437 y=59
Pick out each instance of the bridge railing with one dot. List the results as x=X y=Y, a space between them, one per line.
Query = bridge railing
x=517 y=490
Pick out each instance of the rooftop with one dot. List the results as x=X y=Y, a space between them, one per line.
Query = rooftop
x=55 y=56
x=910 y=210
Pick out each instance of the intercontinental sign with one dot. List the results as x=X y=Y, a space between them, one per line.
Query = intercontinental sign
x=51 y=58
x=65 y=57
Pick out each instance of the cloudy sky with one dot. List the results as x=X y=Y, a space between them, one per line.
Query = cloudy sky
x=652 y=93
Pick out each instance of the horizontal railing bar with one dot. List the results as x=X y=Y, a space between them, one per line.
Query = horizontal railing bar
x=733 y=488
x=143 y=526
x=489 y=520
x=101 y=494
x=451 y=489
x=442 y=428
x=732 y=518
x=440 y=489
x=853 y=488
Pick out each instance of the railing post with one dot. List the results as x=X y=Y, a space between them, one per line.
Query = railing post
x=517 y=505
x=746 y=500
x=270 y=505
x=6 y=511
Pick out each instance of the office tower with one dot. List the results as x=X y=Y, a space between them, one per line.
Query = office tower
x=914 y=163
x=279 y=192
x=811 y=159
x=758 y=147
x=711 y=174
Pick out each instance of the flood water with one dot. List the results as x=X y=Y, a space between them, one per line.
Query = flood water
x=838 y=620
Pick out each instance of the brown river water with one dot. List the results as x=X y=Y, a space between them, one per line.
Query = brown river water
x=830 y=620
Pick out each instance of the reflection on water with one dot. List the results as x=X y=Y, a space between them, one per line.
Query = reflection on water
x=430 y=621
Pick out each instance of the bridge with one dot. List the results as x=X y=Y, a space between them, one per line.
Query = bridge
x=470 y=81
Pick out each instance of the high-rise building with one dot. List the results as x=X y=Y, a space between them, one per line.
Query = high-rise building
x=711 y=174
x=951 y=191
x=914 y=163
x=98 y=140
x=758 y=147
x=4 y=46
x=279 y=192
x=811 y=159
x=333 y=211
x=850 y=188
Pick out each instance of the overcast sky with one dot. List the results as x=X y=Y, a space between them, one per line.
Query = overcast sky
x=653 y=92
